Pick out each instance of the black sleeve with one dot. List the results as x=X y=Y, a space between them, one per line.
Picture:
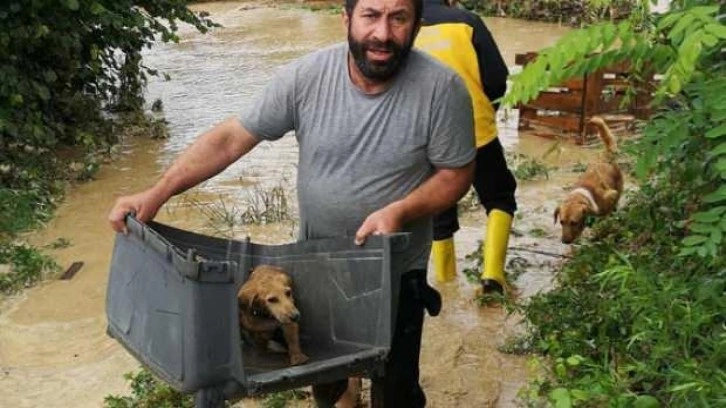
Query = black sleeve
x=492 y=68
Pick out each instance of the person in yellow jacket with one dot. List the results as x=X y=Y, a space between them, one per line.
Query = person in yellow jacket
x=459 y=39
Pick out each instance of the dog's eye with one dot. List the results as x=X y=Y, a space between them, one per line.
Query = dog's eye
x=273 y=299
x=288 y=293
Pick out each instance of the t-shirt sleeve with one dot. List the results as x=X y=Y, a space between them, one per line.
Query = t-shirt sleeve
x=452 y=142
x=272 y=114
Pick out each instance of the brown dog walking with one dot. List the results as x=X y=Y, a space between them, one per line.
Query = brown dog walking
x=596 y=192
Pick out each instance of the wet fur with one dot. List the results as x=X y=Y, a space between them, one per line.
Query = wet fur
x=604 y=182
x=266 y=303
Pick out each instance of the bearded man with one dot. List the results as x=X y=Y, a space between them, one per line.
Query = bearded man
x=386 y=141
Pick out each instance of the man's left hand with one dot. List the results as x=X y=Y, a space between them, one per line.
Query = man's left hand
x=384 y=221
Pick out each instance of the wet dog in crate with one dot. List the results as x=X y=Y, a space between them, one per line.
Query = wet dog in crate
x=266 y=305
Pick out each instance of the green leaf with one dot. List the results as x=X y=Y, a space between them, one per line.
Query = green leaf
x=72 y=4
x=705 y=217
x=97 y=8
x=703 y=229
x=573 y=361
x=721 y=165
x=717 y=131
x=719 y=150
x=561 y=398
x=709 y=40
x=704 y=11
x=716 y=29
x=717 y=196
x=716 y=236
x=683 y=387
x=646 y=401
x=680 y=26
x=580 y=395
x=50 y=76
x=669 y=20
x=43 y=92
x=609 y=34
x=16 y=100
x=694 y=240
x=674 y=84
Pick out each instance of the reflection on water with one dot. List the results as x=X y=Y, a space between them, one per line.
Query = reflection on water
x=53 y=336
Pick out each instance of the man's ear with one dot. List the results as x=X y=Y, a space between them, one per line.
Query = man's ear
x=346 y=19
x=416 y=29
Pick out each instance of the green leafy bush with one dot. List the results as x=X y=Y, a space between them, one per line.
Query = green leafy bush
x=63 y=61
x=21 y=266
x=64 y=66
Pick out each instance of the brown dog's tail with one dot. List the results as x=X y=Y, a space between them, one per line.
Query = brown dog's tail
x=603 y=130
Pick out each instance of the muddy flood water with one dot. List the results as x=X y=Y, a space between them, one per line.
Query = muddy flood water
x=54 y=351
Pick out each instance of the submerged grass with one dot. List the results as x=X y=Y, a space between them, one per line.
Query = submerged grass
x=260 y=206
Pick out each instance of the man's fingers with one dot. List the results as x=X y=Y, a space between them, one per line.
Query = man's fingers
x=362 y=234
x=117 y=218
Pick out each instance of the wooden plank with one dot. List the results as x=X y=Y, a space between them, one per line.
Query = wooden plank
x=525 y=114
x=558 y=101
x=613 y=104
x=524 y=59
x=593 y=93
x=573 y=84
x=567 y=123
x=72 y=270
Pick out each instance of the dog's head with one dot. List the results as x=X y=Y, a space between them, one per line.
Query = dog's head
x=572 y=214
x=268 y=294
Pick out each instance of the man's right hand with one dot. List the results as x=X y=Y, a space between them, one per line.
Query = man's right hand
x=144 y=205
x=211 y=153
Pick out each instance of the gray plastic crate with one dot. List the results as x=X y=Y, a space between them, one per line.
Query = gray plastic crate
x=171 y=301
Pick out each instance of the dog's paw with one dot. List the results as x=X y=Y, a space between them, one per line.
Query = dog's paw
x=297 y=359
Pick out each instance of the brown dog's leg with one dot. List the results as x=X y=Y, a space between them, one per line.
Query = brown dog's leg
x=261 y=339
x=290 y=332
x=611 y=197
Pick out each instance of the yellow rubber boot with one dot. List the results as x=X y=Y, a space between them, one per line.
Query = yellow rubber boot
x=444 y=258
x=499 y=224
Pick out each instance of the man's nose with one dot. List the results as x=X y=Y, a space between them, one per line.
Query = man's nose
x=382 y=31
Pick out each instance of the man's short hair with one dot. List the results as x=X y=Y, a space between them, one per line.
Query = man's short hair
x=417 y=8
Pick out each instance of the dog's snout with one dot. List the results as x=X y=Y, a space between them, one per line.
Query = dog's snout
x=295 y=316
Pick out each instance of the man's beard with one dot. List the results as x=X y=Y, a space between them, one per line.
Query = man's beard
x=374 y=70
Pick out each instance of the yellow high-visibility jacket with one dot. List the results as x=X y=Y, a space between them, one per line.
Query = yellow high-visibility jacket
x=459 y=39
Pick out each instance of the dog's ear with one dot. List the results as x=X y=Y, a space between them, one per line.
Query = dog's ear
x=257 y=307
x=557 y=214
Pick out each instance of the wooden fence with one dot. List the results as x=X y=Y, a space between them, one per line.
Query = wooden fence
x=566 y=107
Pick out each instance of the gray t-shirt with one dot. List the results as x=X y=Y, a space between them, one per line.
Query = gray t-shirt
x=358 y=152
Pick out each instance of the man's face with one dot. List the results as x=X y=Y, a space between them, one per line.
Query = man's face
x=380 y=36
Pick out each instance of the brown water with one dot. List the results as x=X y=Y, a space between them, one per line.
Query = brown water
x=53 y=348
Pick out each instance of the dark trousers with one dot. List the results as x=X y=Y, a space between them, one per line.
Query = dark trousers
x=494 y=184
x=399 y=387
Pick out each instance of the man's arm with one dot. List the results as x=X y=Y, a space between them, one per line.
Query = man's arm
x=439 y=192
x=207 y=156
